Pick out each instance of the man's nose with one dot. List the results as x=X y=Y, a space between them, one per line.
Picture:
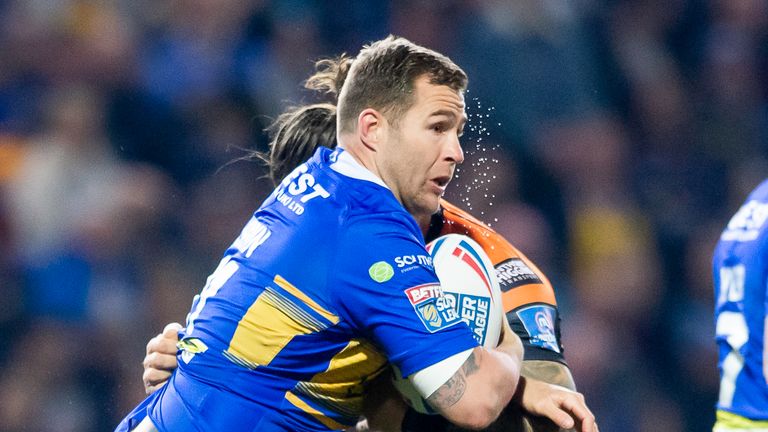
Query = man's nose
x=454 y=151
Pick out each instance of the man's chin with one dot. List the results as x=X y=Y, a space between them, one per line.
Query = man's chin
x=426 y=208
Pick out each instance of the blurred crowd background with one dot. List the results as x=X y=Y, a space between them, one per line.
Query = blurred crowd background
x=609 y=140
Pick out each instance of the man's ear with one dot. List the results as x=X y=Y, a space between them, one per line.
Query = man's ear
x=371 y=126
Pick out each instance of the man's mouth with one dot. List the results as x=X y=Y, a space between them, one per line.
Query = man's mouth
x=440 y=183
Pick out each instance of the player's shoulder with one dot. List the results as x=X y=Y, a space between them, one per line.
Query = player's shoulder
x=521 y=281
x=368 y=231
x=458 y=221
x=750 y=222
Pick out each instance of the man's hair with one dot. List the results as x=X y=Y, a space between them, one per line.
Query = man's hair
x=382 y=77
x=383 y=80
x=330 y=75
x=295 y=136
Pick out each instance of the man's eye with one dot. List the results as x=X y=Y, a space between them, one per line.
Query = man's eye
x=438 y=128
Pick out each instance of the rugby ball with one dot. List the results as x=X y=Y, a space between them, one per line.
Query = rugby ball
x=469 y=283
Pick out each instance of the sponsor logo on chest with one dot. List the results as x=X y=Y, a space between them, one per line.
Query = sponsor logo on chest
x=412 y=260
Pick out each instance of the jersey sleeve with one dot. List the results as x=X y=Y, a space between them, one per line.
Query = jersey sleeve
x=527 y=295
x=391 y=294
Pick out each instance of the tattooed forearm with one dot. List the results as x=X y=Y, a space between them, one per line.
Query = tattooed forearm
x=514 y=418
x=470 y=366
x=453 y=389
x=449 y=393
x=549 y=371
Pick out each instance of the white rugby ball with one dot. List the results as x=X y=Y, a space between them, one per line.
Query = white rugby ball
x=469 y=282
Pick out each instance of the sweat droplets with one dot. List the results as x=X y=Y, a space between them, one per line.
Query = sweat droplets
x=473 y=180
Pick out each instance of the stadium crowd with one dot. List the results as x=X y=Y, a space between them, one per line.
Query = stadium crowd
x=608 y=140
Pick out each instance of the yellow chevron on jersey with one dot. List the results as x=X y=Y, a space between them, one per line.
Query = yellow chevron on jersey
x=272 y=322
x=317 y=414
x=284 y=284
x=730 y=422
x=341 y=387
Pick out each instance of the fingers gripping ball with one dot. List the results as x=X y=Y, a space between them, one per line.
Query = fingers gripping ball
x=469 y=284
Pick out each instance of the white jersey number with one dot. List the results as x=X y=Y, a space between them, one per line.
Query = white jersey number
x=732 y=327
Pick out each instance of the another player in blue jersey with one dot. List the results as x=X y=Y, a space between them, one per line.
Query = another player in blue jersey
x=287 y=338
x=741 y=283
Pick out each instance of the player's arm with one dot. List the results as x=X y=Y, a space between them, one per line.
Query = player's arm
x=547 y=371
x=562 y=407
x=403 y=311
x=483 y=385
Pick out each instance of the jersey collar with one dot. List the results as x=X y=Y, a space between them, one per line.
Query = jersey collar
x=346 y=165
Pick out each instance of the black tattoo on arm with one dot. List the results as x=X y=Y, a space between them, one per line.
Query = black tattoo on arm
x=550 y=372
x=553 y=373
x=514 y=418
x=451 y=392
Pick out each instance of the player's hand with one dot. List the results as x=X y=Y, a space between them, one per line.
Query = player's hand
x=160 y=361
x=566 y=408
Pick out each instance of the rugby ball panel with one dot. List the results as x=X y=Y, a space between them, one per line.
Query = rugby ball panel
x=468 y=280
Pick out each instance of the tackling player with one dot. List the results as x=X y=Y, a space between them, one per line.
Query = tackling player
x=741 y=280
x=273 y=344
x=528 y=296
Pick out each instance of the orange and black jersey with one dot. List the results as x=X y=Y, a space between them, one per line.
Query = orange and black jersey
x=527 y=295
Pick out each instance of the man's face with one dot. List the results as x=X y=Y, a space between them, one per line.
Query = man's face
x=423 y=150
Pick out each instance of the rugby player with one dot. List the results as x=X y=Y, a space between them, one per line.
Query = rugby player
x=427 y=110
x=526 y=291
x=740 y=267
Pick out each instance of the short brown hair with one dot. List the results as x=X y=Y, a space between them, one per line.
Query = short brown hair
x=382 y=78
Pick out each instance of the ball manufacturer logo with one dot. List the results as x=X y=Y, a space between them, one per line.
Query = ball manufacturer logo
x=381 y=271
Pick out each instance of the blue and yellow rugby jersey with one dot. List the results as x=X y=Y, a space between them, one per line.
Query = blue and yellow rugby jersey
x=741 y=280
x=327 y=282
